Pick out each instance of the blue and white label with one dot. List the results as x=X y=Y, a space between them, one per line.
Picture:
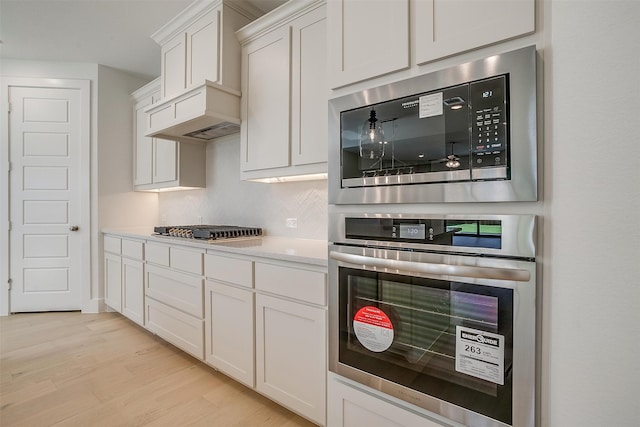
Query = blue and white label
x=480 y=354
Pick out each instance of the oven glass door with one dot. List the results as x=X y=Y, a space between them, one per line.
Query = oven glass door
x=447 y=339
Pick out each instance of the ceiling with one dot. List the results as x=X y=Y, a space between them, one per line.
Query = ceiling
x=115 y=33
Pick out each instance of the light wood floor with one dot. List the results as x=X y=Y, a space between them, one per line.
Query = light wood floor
x=72 y=369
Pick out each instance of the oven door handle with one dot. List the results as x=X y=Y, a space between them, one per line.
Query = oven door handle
x=495 y=273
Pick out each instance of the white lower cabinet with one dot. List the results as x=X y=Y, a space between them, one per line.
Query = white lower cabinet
x=113 y=281
x=229 y=331
x=174 y=307
x=261 y=321
x=133 y=290
x=291 y=355
x=291 y=338
x=351 y=407
x=180 y=329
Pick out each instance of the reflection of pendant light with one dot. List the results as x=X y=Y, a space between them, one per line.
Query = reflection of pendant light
x=452 y=161
x=372 y=140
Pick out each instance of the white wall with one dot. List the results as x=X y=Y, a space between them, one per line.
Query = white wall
x=227 y=200
x=118 y=205
x=592 y=204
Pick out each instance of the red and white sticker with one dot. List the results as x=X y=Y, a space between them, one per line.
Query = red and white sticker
x=373 y=328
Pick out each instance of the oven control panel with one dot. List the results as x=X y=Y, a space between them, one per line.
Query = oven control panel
x=444 y=232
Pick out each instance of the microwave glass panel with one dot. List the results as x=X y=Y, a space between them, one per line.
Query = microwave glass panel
x=453 y=129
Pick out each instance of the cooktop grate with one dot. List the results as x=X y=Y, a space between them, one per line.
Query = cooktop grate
x=208 y=232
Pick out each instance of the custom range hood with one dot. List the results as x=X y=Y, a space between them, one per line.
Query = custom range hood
x=200 y=72
x=203 y=113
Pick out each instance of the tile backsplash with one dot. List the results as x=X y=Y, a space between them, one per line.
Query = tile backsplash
x=228 y=200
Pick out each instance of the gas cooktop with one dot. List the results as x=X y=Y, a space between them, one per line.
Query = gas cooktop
x=207 y=232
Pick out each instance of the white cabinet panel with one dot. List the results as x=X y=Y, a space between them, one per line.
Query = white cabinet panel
x=202 y=40
x=309 y=131
x=112 y=244
x=157 y=254
x=447 y=27
x=165 y=161
x=182 y=291
x=350 y=407
x=229 y=331
x=230 y=270
x=180 y=329
x=133 y=249
x=305 y=285
x=174 y=66
x=266 y=101
x=133 y=290
x=113 y=281
x=291 y=355
x=366 y=39
x=186 y=260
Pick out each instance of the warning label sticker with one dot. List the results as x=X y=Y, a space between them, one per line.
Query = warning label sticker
x=373 y=328
x=480 y=354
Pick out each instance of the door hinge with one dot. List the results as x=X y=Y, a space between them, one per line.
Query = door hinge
x=9 y=282
x=9 y=108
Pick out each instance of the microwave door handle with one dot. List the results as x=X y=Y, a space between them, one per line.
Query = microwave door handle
x=512 y=274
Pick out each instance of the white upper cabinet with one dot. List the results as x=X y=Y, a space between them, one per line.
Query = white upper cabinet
x=199 y=44
x=447 y=27
x=284 y=93
x=370 y=39
x=162 y=163
x=367 y=39
x=266 y=101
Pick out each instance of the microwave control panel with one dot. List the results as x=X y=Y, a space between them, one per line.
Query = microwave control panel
x=490 y=125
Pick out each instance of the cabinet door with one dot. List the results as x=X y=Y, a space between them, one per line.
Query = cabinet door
x=202 y=43
x=266 y=101
x=133 y=290
x=229 y=344
x=447 y=27
x=165 y=160
x=367 y=39
x=350 y=407
x=291 y=355
x=181 y=291
x=174 y=66
x=143 y=173
x=113 y=281
x=178 y=328
x=310 y=92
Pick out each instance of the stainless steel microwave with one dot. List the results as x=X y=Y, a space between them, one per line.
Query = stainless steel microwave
x=463 y=134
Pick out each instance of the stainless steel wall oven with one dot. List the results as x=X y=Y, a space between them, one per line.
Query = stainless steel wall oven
x=439 y=311
x=462 y=134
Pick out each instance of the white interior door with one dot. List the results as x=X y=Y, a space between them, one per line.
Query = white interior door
x=45 y=131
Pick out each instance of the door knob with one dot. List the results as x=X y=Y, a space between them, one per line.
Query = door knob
x=74 y=228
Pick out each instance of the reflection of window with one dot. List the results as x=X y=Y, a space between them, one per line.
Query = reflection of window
x=475 y=228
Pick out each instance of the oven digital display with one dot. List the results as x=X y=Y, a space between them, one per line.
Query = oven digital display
x=412 y=231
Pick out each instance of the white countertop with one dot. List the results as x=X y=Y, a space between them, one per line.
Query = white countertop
x=284 y=248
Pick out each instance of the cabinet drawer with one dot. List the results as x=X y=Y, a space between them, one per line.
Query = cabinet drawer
x=133 y=249
x=305 y=285
x=181 y=291
x=230 y=270
x=176 y=327
x=112 y=244
x=186 y=260
x=157 y=254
